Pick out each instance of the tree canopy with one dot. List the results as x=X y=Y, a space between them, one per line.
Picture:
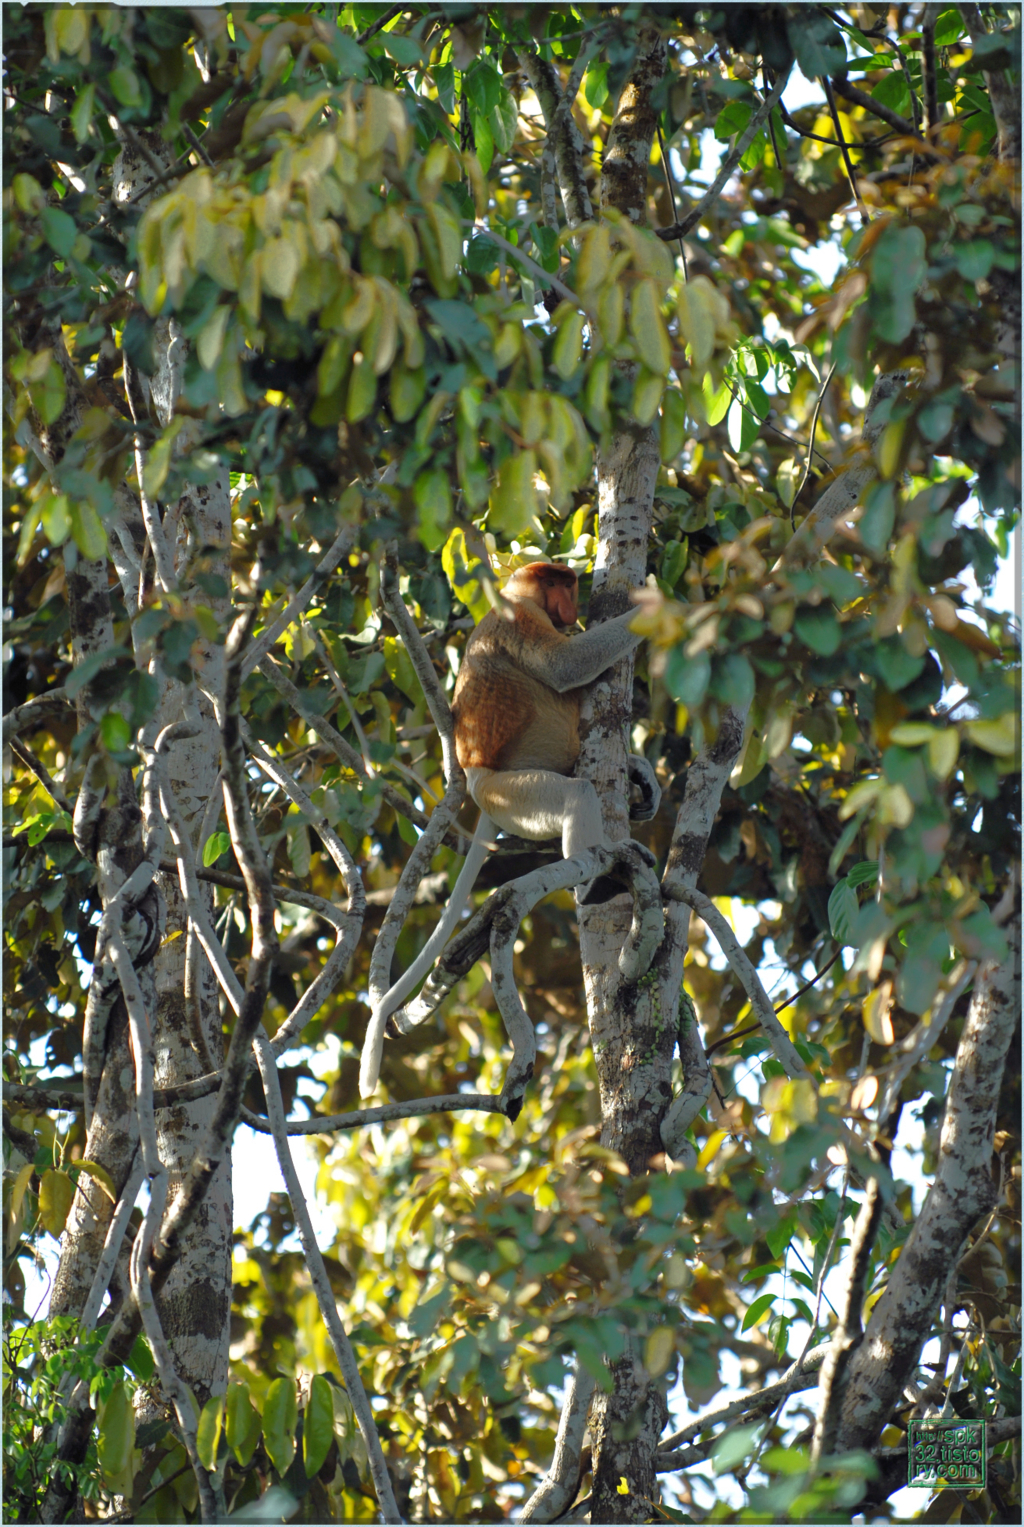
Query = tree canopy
x=319 y=321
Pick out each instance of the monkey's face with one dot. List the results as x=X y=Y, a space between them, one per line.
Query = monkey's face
x=552 y=587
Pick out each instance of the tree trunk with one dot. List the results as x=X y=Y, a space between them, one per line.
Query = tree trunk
x=195 y=1303
x=632 y=1027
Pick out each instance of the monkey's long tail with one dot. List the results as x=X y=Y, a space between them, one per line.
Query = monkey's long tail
x=373 y=1044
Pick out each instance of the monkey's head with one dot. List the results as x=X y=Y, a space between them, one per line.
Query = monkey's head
x=553 y=588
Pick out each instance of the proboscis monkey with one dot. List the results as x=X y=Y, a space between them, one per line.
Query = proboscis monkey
x=517 y=709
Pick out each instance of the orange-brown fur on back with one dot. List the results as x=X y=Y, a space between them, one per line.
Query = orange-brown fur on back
x=504 y=717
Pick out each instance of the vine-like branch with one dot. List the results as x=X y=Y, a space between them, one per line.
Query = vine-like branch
x=759 y=118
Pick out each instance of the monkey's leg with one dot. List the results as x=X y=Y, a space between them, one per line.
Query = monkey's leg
x=539 y=804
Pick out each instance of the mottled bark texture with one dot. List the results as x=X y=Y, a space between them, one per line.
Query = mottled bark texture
x=628 y=152
x=963 y=1190
x=194 y=1304
x=633 y=1026
x=564 y=145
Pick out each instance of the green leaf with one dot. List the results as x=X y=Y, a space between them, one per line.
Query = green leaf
x=735 y=1446
x=877 y=521
x=897 y=268
x=115 y=732
x=400 y=669
x=140 y=1360
x=59 y=230
x=125 y=85
x=780 y=1235
x=241 y=1422
x=818 y=629
x=842 y=586
x=757 y=1311
x=56 y=1194
x=949 y=28
x=81 y=112
x=405 y=51
x=864 y=873
x=843 y=908
x=673 y=424
x=686 y=678
x=732 y=679
x=115 y=1436
x=280 y=1415
x=595 y=84
x=503 y=121
x=974 y=259
x=444 y=83
x=433 y=495
x=56 y=513
x=483 y=138
x=317 y=1425
x=895 y=665
x=216 y=844
x=87 y=530
x=817 y=43
x=208 y=1431
x=732 y=119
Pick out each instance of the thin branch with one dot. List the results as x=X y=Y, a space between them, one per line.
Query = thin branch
x=849 y=1332
x=804 y=1371
x=844 y=147
x=856 y=97
x=112 y=1246
x=196 y=143
x=729 y=163
x=29 y=759
x=739 y=960
x=321 y=1283
x=30 y=715
x=143 y=1052
x=557 y=1490
x=923 y=1037
x=808 y=463
x=339 y=548
x=671 y=189
x=387 y=1113
x=542 y=275
x=389 y=15
x=819 y=1291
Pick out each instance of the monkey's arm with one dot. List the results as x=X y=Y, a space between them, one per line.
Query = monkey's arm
x=570 y=662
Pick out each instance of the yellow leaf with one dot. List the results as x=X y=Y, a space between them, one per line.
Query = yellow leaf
x=56 y=1194
x=648 y=328
x=15 y=1202
x=647 y=391
x=659 y=1350
x=281 y=263
x=622 y=1488
x=711 y=1148
x=610 y=308
x=569 y=344
x=943 y=751
x=702 y=312
x=895 y=806
x=876 y=1014
x=861 y=794
x=211 y=338
x=100 y=1175
x=911 y=734
x=887 y=451
x=1000 y=737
